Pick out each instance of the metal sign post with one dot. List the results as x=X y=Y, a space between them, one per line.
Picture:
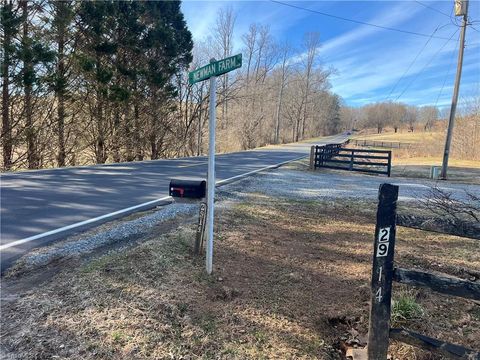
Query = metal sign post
x=211 y=71
x=211 y=172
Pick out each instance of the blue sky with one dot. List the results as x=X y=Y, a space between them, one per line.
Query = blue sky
x=368 y=61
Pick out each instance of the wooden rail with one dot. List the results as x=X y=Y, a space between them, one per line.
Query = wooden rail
x=441 y=283
x=455 y=227
x=384 y=273
x=451 y=351
x=334 y=156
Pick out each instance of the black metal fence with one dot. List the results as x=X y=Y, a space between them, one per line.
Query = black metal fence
x=382 y=144
x=384 y=273
x=334 y=156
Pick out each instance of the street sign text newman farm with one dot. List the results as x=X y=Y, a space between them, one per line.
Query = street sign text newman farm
x=211 y=71
x=215 y=68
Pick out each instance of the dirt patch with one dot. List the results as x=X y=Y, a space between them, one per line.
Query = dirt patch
x=290 y=281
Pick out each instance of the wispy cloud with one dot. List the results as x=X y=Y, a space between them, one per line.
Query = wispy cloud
x=369 y=61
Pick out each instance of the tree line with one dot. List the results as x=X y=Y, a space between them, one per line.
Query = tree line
x=382 y=115
x=89 y=81
x=107 y=81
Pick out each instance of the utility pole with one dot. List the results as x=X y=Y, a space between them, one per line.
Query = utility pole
x=461 y=8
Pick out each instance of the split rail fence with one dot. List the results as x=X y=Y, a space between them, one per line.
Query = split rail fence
x=384 y=273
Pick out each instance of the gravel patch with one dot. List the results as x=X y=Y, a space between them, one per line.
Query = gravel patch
x=121 y=232
x=330 y=185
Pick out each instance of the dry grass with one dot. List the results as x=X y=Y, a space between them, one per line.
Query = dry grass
x=437 y=161
x=404 y=136
x=427 y=148
x=290 y=281
x=462 y=171
x=430 y=144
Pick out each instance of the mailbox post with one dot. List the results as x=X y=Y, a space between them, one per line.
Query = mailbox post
x=211 y=71
x=192 y=189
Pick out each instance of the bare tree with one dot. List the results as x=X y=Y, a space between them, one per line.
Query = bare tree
x=428 y=115
x=311 y=45
x=411 y=118
x=397 y=112
x=283 y=73
x=250 y=42
x=224 y=27
x=375 y=117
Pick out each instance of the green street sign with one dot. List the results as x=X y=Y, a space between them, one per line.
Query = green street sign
x=215 y=68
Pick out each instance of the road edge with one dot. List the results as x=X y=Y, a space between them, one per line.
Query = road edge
x=133 y=209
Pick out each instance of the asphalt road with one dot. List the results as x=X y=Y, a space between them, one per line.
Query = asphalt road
x=36 y=204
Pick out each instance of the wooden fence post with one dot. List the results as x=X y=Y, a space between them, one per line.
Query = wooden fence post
x=382 y=273
x=389 y=167
x=312 y=157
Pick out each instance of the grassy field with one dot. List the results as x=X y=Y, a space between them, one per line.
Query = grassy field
x=406 y=137
x=425 y=151
x=462 y=171
x=291 y=281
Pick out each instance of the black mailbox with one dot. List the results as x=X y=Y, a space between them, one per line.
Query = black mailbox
x=193 y=189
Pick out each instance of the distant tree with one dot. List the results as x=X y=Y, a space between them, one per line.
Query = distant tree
x=397 y=114
x=347 y=117
x=376 y=116
x=333 y=124
x=427 y=116
x=411 y=118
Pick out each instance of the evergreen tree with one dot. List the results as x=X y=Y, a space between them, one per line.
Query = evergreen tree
x=169 y=44
x=95 y=59
x=127 y=89
x=60 y=18
x=34 y=55
x=10 y=22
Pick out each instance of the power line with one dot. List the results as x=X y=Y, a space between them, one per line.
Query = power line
x=411 y=64
x=426 y=65
x=356 y=21
x=474 y=28
x=432 y=8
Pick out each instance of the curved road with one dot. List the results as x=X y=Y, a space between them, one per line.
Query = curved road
x=36 y=206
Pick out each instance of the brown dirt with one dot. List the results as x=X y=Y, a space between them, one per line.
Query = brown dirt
x=291 y=280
